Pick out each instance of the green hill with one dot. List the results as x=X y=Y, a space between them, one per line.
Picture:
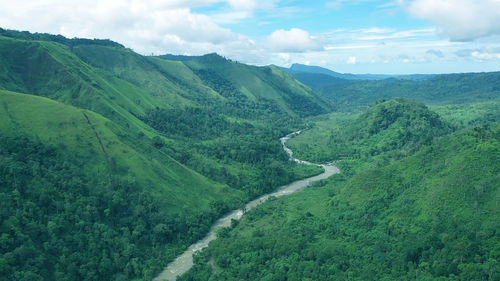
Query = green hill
x=115 y=162
x=112 y=163
x=390 y=128
x=436 y=90
x=138 y=93
x=109 y=150
x=431 y=216
x=72 y=167
x=263 y=84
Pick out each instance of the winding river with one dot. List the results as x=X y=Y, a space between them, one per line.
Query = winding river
x=185 y=261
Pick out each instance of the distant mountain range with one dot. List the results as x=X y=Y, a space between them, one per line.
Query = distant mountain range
x=298 y=68
x=347 y=91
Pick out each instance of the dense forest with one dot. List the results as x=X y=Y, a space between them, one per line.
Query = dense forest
x=60 y=224
x=423 y=210
x=115 y=162
x=355 y=92
x=112 y=163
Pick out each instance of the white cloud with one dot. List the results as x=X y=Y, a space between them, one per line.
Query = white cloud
x=485 y=55
x=285 y=57
x=145 y=26
x=460 y=20
x=293 y=40
x=480 y=54
x=397 y=35
x=351 y=60
x=377 y=30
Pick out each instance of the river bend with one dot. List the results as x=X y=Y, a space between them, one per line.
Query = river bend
x=185 y=261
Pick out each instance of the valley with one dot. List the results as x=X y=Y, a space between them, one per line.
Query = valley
x=185 y=261
x=120 y=166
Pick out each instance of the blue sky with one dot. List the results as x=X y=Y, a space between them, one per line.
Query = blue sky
x=317 y=16
x=357 y=36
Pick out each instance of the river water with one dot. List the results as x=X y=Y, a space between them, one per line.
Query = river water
x=185 y=261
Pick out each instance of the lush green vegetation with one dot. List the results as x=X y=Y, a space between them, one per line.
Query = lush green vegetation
x=470 y=115
x=60 y=224
x=80 y=201
x=434 y=90
x=137 y=155
x=431 y=213
x=112 y=163
x=390 y=128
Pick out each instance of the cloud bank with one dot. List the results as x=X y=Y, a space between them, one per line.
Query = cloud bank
x=293 y=40
x=145 y=26
x=259 y=31
x=460 y=20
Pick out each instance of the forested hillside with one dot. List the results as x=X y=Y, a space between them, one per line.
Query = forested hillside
x=390 y=128
x=80 y=192
x=429 y=212
x=115 y=162
x=352 y=93
x=112 y=163
x=438 y=90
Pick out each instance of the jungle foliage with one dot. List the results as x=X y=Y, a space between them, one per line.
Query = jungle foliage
x=428 y=212
x=114 y=162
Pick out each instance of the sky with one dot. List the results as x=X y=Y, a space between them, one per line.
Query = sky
x=354 y=36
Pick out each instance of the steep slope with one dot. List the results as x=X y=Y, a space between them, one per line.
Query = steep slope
x=111 y=151
x=205 y=80
x=141 y=93
x=431 y=216
x=74 y=167
x=51 y=70
x=257 y=84
x=118 y=161
x=169 y=85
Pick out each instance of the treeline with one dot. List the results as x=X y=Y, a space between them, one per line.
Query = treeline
x=25 y=35
x=59 y=224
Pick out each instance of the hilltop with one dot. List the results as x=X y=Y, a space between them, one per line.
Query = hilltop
x=389 y=128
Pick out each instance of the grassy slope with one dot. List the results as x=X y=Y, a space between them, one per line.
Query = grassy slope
x=50 y=69
x=263 y=83
x=158 y=81
x=117 y=90
x=66 y=127
x=175 y=83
